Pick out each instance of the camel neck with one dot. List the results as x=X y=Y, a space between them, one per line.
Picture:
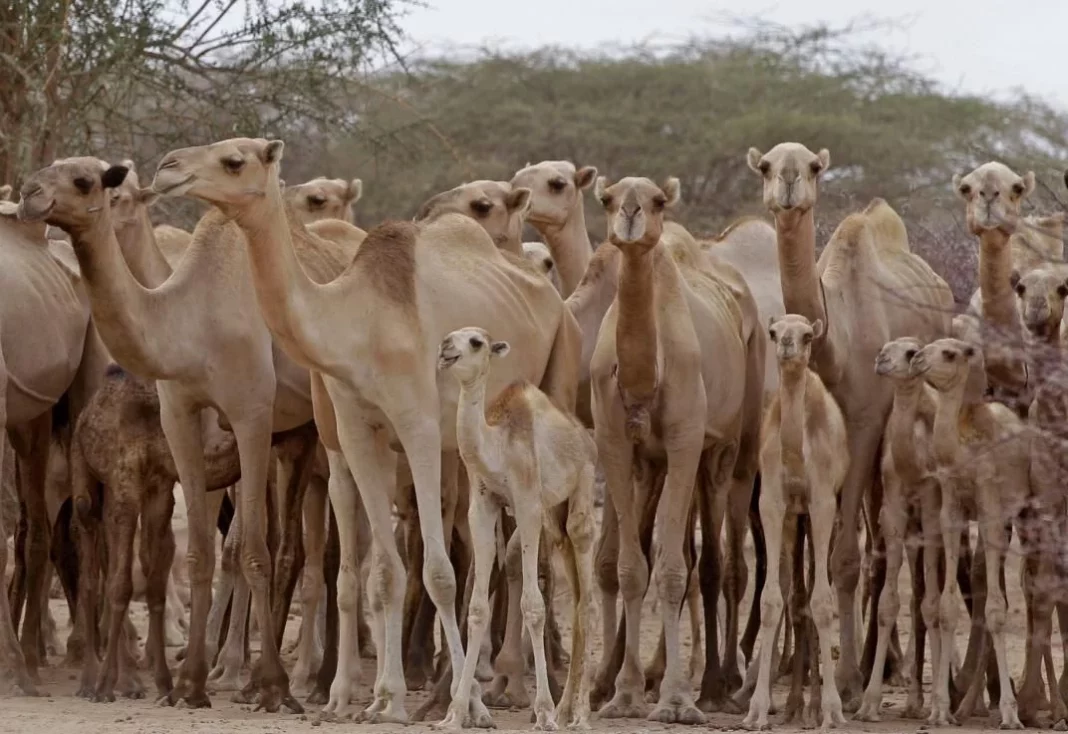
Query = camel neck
x=137 y=240
x=946 y=435
x=801 y=291
x=283 y=289
x=570 y=246
x=995 y=281
x=636 y=338
x=793 y=387
x=130 y=319
x=471 y=426
x=901 y=427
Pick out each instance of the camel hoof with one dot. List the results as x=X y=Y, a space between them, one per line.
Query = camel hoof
x=103 y=697
x=506 y=700
x=1061 y=725
x=192 y=700
x=869 y=712
x=625 y=706
x=677 y=713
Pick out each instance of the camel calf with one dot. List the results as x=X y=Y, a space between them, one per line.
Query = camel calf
x=803 y=463
x=525 y=453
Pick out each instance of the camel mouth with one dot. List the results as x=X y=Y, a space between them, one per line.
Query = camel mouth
x=30 y=213
x=177 y=188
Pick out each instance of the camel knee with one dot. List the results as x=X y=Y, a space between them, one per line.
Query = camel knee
x=845 y=561
x=255 y=563
x=438 y=577
x=947 y=612
x=771 y=605
x=633 y=577
x=822 y=606
x=671 y=581
x=995 y=612
x=533 y=606
x=580 y=532
x=929 y=610
x=348 y=590
x=889 y=604
x=478 y=614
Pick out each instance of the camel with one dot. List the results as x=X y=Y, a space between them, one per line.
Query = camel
x=523 y=452
x=558 y=213
x=377 y=373
x=498 y=206
x=993 y=194
x=856 y=289
x=198 y=360
x=538 y=253
x=983 y=462
x=36 y=369
x=804 y=458
x=324 y=198
x=1040 y=294
x=909 y=489
x=119 y=443
x=714 y=446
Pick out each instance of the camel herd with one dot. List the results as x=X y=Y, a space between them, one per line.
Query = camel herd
x=418 y=411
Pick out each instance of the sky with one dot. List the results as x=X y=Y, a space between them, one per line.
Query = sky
x=972 y=46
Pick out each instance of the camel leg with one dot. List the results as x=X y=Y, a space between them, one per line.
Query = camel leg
x=951 y=518
x=294 y=475
x=121 y=509
x=224 y=588
x=738 y=500
x=38 y=535
x=482 y=519
x=507 y=689
x=797 y=613
x=752 y=625
x=1062 y=625
x=309 y=655
x=912 y=661
x=676 y=704
x=226 y=675
x=157 y=554
x=528 y=514
x=693 y=609
x=324 y=678
x=821 y=521
x=88 y=504
x=931 y=550
x=845 y=558
x=892 y=521
x=780 y=531
x=182 y=429
x=606 y=562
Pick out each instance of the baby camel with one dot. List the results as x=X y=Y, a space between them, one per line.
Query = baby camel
x=803 y=463
x=525 y=453
x=910 y=491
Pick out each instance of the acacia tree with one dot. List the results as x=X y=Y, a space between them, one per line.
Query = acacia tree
x=85 y=75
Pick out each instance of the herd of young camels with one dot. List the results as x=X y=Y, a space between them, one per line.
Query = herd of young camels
x=314 y=381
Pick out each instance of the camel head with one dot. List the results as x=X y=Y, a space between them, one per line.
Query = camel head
x=556 y=190
x=229 y=174
x=129 y=200
x=5 y=192
x=993 y=193
x=791 y=174
x=71 y=193
x=538 y=254
x=793 y=335
x=324 y=198
x=1040 y=298
x=496 y=205
x=895 y=358
x=635 y=209
x=467 y=352
x=946 y=363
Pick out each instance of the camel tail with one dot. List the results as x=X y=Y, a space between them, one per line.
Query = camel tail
x=887 y=227
x=639 y=423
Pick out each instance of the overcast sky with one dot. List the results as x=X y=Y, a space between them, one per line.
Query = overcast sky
x=981 y=46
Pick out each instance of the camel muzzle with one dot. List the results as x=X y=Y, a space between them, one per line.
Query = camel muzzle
x=29 y=211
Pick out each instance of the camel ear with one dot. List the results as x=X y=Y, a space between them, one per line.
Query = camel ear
x=499 y=349
x=969 y=351
x=355 y=190
x=1062 y=289
x=673 y=190
x=599 y=186
x=585 y=176
x=1029 y=183
x=5 y=192
x=824 y=157
x=771 y=328
x=518 y=200
x=963 y=190
x=9 y=209
x=753 y=159
x=147 y=196
x=128 y=162
x=817 y=329
x=272 y=153
x=114 y=176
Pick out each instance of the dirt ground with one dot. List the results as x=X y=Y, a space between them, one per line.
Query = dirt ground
x=61 y=713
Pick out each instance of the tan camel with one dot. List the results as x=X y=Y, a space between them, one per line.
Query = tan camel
x=372 y=334
x=523 y=452
x=1040 y=294
x=671 y=311
x=36 y=369
x=539 y=255
x=983 y=463
x=324 y=198
x=868 y=288
x=120 y=459
x=1037 y=242
x=558 y=213
x=804 y=458
x=993 y=194
x=910 y=489
x=496 y=205
x=198 y=360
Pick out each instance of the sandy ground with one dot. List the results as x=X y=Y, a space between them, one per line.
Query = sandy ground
x=61 y=713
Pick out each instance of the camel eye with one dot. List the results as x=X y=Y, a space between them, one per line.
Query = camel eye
x=549 y=264
x=476 y=343
x=910 y=354
x=83 y=184
x=815 y=166
x=772 y=335
x=557 y=184
x=1018 y=188
x=764 y=167
x=234 y=163
x=1021 y=289
x=806 y=339
x=1062 y=290
x=482 y=206
x=949 y=355
x=659 y=201
x=316 y=200
x=965 y=189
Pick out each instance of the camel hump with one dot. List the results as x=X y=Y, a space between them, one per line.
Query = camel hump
x=386 y=258
x=887 y=227
x=736 y=225
x=682 y=245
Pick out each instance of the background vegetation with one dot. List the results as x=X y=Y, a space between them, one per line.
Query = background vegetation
x=141 y=77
